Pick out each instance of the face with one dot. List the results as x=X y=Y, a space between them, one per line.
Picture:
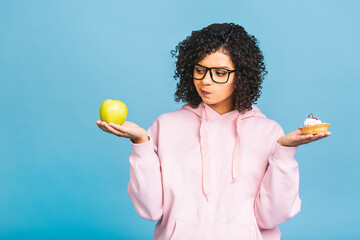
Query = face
x=220 y=97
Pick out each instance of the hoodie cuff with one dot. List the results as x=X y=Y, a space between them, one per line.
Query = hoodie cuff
x=142 y=151
x=284 y=154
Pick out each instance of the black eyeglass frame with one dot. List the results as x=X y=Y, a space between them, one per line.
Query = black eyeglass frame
x=207 y=68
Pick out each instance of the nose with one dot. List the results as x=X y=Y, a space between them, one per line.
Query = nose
x=207 y=79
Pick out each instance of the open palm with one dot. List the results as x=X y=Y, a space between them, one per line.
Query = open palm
x=127 y=129
x=296 y=138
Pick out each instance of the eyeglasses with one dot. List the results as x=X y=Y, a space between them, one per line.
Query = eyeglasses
x=217 y=74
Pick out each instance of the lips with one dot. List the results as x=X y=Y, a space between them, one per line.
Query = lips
x=204 y=92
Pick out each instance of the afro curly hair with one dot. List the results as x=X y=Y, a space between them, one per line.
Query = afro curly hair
x=243 y=51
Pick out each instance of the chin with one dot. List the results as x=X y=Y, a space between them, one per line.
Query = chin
x=208 y=102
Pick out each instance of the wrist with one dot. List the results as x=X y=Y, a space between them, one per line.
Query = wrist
x=140 y=140
x=280 y=142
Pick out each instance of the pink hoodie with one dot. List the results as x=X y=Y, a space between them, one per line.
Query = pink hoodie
x=203 y=175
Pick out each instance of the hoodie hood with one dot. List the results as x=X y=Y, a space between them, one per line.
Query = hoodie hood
x=205 y=113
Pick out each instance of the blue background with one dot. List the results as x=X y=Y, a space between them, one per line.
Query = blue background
x=61 y=177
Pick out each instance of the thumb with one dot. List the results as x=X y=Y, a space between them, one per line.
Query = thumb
x=296 y=132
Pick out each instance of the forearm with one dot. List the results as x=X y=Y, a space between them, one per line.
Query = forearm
x=145 y=185
x=278 y=198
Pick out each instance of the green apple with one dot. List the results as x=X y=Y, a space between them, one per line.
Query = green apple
x=114 y=111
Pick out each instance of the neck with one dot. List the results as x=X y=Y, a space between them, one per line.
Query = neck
x=222 y=109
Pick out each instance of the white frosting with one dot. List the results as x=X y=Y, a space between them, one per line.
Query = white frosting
x=311 y=122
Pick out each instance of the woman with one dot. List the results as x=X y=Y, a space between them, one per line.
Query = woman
x=217 y=168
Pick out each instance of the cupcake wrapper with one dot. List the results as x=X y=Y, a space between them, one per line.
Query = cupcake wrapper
x=314 y=129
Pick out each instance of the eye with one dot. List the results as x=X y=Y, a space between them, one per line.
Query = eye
x=220 y=73
x=199 y=70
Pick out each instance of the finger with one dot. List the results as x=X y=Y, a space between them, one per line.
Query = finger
x=324 y=136
x=117 y=127
x=296 y=132
x=98 y=122
x=318 y=136
x=107 y=127
x=304 y=137
x=120 y=129
x=299 y=134
x=102 y=127
x=112 y=130
x=306 y=142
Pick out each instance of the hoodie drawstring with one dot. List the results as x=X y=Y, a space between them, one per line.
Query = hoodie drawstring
x=205 y=158
x=237 y=151
x=206 y=163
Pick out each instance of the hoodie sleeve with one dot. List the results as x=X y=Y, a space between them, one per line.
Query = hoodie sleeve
x=278 y=198
x=145 y=186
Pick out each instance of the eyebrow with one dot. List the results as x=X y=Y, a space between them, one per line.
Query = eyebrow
x=214 y=67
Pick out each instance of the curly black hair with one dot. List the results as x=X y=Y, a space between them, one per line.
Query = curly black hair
x=234 y=41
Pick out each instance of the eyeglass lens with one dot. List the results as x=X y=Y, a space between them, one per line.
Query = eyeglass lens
x=217 y=74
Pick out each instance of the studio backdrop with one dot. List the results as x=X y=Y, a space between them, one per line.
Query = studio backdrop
x=61 y=177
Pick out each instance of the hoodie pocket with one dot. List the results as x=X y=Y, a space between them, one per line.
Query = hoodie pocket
x=186 y=230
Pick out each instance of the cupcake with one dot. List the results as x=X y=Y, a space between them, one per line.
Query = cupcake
x=313 y=125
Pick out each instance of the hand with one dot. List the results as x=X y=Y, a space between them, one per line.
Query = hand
x=296 y=138
x=127 y=129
